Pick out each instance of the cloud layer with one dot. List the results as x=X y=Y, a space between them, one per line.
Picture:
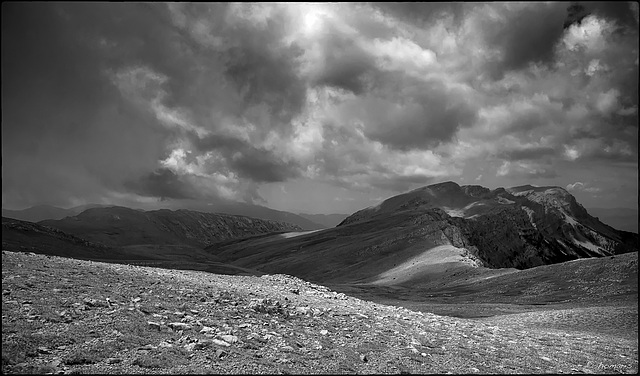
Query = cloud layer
x=105 y=102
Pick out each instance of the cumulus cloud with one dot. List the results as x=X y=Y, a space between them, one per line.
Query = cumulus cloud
x=579 y=186
x=213 y=101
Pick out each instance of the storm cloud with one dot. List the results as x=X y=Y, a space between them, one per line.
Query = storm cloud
x=119 y=102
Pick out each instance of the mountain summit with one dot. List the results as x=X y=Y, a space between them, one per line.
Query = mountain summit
x=518 y=227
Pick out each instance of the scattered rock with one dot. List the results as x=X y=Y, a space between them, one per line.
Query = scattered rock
x=203 y=344
x=229 y=338
x=207 y=330
x=221 y=343
x=324 y=332
x=545 y=359
x=302 y=310
x=179 y=326
x=266 y=306
x=364 y=358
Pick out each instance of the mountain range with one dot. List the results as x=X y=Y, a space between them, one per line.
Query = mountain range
x=438 y=235
x=442 y=233
x=306 y=221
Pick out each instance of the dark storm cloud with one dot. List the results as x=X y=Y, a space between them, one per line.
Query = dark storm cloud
x=111 y=101
x=527 y=35
x=63 y=121
x=267 y=75
x=420 y=13
x=254 y=163
x=162 y=183
x=262 y=166
x=345 y=64
x=620 y=11
x=424 y=115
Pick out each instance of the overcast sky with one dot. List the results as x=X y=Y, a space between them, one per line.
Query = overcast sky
x=318 y=108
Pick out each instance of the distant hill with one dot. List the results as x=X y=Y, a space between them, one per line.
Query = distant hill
x=37 y=213
x=44 y=212
x=26 y=236
x=261 y=212
x=327 y=220
x=120 y=226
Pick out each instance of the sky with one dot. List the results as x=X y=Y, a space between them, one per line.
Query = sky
x=315 y=107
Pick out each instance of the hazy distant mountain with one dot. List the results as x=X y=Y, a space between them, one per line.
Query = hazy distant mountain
x=327 y=220
x=621 y=218
x=37 y=213
x=120 y=226
x=41 y=212
x=438 y=232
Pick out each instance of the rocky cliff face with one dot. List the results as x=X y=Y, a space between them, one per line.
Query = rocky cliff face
x=518 y=227
x=123 y=226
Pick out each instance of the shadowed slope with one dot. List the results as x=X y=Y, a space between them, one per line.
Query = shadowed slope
x=123 y=226
x=26 y=236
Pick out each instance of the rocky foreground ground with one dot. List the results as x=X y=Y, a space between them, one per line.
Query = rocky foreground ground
x=69 y=316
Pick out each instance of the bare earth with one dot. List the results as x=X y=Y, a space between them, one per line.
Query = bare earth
x=69 y=316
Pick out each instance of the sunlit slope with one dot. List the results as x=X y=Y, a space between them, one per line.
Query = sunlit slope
x=362 y=252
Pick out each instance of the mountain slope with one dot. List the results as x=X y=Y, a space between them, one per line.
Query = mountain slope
x=69 y=316
x=441 y=233
x=120 y=226
x=26 y=236
x=358 y=252
x=517 y=227
x=258 y=211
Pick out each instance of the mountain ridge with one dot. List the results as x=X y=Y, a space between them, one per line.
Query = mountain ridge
x=44 y=212
x=113 y=226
